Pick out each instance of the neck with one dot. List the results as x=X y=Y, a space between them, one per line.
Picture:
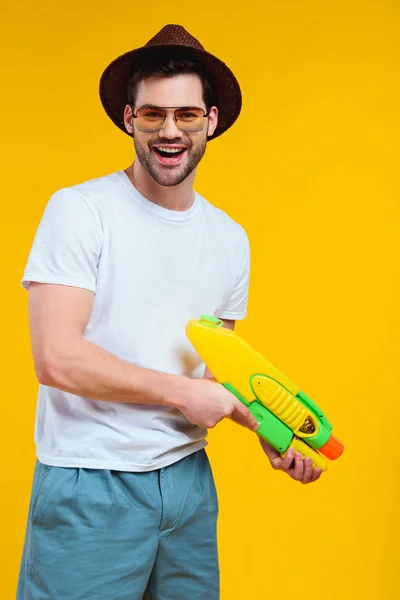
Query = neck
x=178 y=197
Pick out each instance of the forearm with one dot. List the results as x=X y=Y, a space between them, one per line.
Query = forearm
x=88 y=370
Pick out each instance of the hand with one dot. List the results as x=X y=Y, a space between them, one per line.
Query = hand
x=293 y=464
x=205 y=403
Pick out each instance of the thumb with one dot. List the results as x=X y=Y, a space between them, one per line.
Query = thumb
x=243 y=416
x=276 y=462
x=273 y=455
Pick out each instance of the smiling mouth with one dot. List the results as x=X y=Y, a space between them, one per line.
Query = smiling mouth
x=169 y=155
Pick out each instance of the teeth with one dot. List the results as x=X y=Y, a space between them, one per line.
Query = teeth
x=170 y=150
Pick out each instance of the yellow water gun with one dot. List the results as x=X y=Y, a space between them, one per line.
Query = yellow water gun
x=286 y=416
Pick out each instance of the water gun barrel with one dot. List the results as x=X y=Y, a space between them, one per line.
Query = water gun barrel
x=286 y=415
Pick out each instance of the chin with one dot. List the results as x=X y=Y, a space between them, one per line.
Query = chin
x=169 y=183
x=169 y=179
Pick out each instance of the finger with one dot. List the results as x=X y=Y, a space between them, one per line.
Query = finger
x=287 y=461
x=298 y=469
x=247 y=419
x=316 y=474
x=239 y=418
x=308 y=470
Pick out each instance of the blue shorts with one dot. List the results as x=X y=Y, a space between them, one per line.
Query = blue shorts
x=116 y=535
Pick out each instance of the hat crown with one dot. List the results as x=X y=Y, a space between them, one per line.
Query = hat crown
x=174 y=35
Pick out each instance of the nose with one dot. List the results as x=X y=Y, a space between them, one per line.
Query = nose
x=169 y=129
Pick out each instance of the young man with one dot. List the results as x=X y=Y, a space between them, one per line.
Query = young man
x=123 y=503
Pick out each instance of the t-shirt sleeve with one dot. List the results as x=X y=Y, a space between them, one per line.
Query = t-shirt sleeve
x=236 y=307
x=67 y=244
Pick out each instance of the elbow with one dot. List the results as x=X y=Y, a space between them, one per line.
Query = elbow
x=48 y=370
x=56 y=364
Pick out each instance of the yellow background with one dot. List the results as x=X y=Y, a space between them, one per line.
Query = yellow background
x=311 y=171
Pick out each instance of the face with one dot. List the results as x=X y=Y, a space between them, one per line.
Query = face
x=170 y=168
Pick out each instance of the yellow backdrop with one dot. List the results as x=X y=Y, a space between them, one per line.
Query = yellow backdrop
x=311 y=171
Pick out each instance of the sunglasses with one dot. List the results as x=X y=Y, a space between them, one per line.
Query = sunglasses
x=150 y=119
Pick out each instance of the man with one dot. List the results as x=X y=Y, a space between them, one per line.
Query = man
x=123 y=502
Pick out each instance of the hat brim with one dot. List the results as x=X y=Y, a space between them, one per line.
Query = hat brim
x=114 y=80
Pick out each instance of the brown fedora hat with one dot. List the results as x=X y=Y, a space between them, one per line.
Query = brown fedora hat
x=175 y=42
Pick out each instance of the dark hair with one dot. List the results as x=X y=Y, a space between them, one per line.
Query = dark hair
x=168 y=67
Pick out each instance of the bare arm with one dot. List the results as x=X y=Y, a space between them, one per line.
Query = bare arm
x=64 y=359
x=58 y=316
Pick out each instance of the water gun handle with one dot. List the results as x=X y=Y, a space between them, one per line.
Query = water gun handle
x=305 y=450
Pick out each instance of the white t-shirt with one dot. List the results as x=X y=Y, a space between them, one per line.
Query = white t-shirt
x=151 y=269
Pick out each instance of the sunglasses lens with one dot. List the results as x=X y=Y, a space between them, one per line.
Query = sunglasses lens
x=150 y=120
x=188 y=119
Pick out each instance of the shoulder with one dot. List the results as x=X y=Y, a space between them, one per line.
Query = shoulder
x=92 y=196
x=94 y=190
x=224 y=223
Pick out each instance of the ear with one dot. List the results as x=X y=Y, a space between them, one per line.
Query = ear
x=212 y=120
x=128 y=119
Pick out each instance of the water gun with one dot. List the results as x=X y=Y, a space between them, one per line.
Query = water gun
x=286 y=416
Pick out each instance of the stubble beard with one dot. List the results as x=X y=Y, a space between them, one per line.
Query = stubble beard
x=169 y=176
